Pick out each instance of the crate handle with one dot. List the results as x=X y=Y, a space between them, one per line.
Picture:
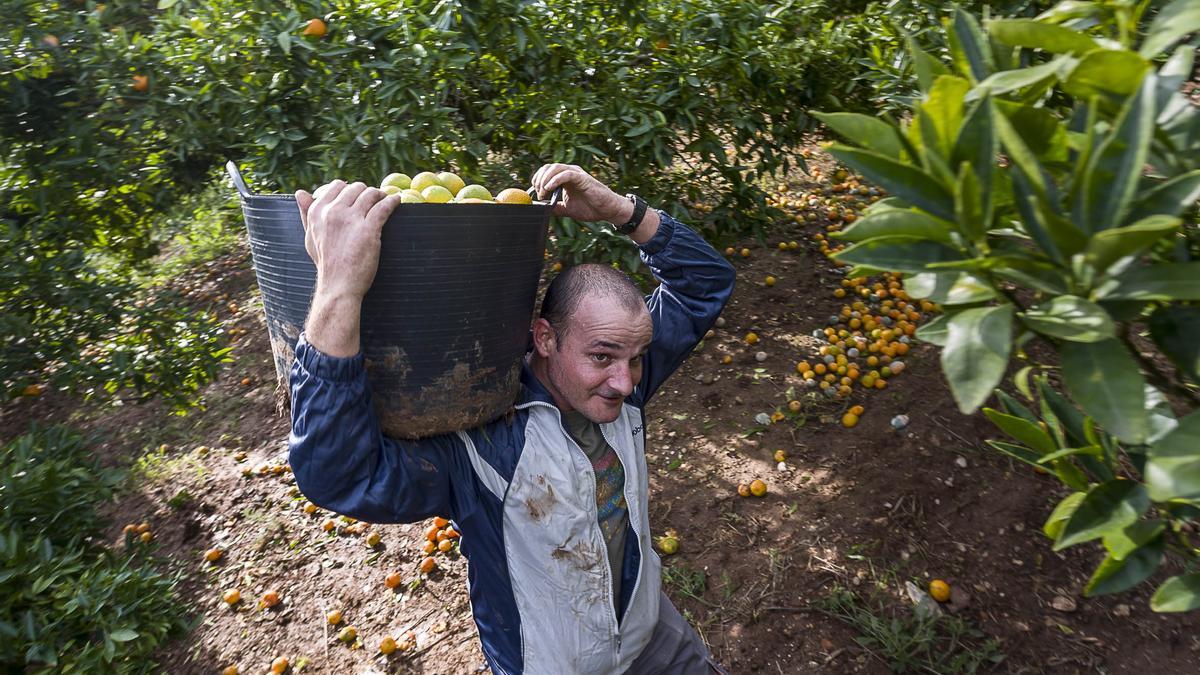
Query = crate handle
x=238 y=181
x=555 y=197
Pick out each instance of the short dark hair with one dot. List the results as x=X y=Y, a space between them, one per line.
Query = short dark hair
x=569 y=288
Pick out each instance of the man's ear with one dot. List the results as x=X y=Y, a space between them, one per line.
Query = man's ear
x=545 y=339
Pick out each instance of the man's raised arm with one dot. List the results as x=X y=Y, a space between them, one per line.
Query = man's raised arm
x=339 y=455
x=695 y=281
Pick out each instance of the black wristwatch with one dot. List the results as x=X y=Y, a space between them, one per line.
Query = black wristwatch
x=639 y=212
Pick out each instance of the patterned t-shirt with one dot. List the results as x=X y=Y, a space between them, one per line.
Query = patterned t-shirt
x=611 y=510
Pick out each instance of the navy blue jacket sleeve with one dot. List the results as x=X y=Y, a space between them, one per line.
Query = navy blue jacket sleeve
x=695 y=283
x=344 y=463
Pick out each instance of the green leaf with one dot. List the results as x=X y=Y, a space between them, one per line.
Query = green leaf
x=978 y=343
x=167 y=4
x=892 y=222
x=1117 y=575
x=1159 y=415
x=1012 y=406
x=1036 y=34
x=977 y=146
x=1061 y=514
x=1084 y=451
x=123 y=635
x=1021 y=382
x=1041 y=224
x=1028 y=433
x=1171 y=198
x=1106 y=73
x=1071 y=418
x=968 y=206
x=1015 y=80
x=1173 y=463
x=970 y=48
x=1173 y=22
x=1175 y=329
x=943 y=111
x=1018 y=452
x=1109 y=246
x=1112 y=174
x=866 y=131
x=1070 y=317
x=936 y=332
x=928 y=68
x=285 y=42
x=1164 y=281
x=901 y=254
x=1120 y=543
x=1104 y=379
x=902 y=180
x=949 y=288
x=1109 y=506
x=1177 y=594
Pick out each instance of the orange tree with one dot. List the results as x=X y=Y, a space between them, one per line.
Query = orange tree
x=1045 y=187
x=112 y=113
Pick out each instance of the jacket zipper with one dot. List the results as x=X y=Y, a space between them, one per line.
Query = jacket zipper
x=596 y=517
x=637 y=537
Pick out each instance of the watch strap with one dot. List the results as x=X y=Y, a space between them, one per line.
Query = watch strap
x=639 y=213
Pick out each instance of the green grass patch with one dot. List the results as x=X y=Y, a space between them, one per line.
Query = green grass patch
x=908 y=643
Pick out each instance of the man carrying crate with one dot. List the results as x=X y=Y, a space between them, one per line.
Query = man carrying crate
x=550 y=501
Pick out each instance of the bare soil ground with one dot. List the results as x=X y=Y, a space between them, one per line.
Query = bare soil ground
x=862 y=509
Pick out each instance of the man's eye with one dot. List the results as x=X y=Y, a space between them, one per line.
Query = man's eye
x=600 y=358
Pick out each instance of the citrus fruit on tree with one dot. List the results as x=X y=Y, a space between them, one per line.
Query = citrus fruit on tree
x=315 y=28
x=141 y=83
x=436 y=194
x=473 y=192
x=451 y=182
x=514 y=196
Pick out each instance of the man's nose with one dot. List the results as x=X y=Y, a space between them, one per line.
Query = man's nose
x=621 y=380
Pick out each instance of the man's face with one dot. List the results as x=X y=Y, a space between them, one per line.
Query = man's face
x=595 y=364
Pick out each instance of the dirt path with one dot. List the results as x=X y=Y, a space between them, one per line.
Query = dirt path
x=857 y=511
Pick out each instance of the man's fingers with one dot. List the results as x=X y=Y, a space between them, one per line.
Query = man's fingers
x=369 y=198
x=329 y=190
x=569 y=175
x=383 y=208
x=538 y=175
x=548 y=181
x=304 y=201
x=349 y=194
